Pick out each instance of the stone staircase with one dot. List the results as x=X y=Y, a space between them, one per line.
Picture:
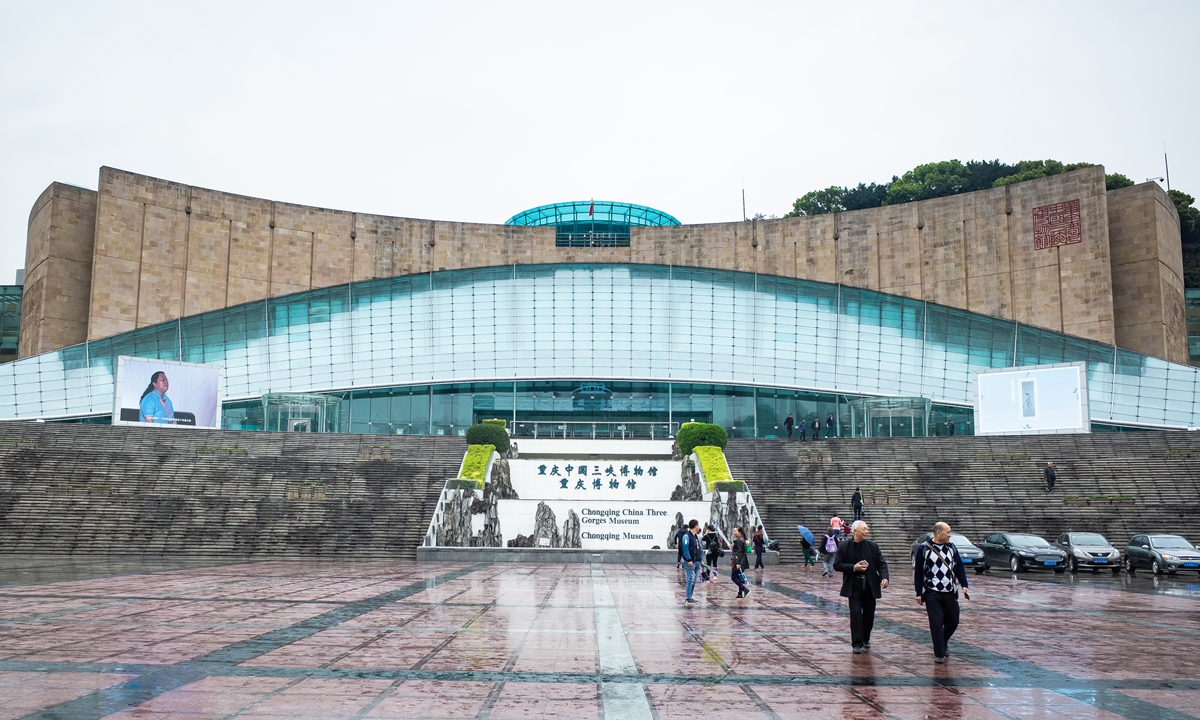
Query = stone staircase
x=980 y=485
x=107 y=490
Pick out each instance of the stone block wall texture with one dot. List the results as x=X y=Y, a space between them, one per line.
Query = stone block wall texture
x=1147 y=271
x=58 y=269
x=164 y=250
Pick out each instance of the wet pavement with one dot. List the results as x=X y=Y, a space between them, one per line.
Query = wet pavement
x=87 y=639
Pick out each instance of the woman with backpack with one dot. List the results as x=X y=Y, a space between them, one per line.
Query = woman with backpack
x=712 y=546
x=829 y=546
x=760 y=547
x=739 y=562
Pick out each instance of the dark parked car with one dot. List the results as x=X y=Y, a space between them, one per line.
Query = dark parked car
x=1089 y=550
x=1020 y=551
x=972 y=556
x=1169 y=553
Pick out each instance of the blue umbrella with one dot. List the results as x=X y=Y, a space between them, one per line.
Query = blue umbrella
x=805 y=533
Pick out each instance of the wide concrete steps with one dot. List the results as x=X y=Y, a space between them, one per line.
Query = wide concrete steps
x=979 y=485
x=97 y=489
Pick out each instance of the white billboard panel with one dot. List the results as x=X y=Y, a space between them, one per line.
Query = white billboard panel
x=167 y=393
x=1031 y=400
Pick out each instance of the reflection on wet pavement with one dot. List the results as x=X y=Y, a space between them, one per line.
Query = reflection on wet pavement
x=90 y=639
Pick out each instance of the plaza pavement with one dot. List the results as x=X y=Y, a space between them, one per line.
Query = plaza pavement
x=83 y=639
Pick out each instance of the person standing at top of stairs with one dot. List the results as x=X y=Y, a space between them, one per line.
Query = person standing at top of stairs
x=788 y=423
x=857 y=503
x=1050 y=476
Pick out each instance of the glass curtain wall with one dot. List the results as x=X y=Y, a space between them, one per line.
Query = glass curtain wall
x=403 y=351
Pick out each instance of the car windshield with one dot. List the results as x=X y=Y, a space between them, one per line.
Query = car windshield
x=960 y=540
x=1027 y=540
x=1088 y=539
x=1169 y=542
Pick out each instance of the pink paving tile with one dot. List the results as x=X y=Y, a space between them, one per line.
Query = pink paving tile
x=1184 y=701
x=401 y=706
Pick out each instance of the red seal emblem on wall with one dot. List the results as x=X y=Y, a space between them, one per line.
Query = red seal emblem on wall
x=1056 y=224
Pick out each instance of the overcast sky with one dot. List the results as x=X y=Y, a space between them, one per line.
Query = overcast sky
x=476 y=111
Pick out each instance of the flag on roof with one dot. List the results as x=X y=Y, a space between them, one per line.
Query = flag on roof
x=592 y=208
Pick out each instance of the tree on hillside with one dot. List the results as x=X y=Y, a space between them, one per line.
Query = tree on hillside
x=864 y=196
x=1112 y=181
x=931 y=180
x=1034 y=169
x=818 y=202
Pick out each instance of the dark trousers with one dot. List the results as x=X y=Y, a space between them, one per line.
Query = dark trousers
x=862 y=615
x=858 y=512
x=789 y=429
x=736 y=575
x=943 y=618
x=758 y=563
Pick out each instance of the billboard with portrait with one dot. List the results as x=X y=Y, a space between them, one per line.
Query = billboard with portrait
x=1031 y=400
x=166 y=393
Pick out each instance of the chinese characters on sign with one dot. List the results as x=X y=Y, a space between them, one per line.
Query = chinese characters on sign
x=598 y=476
x=1056 y=224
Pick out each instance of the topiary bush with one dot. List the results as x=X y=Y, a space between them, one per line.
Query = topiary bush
x=475 y=462
x=488 y=434
x=712 y=462
x=495 y=421
x=692 y=435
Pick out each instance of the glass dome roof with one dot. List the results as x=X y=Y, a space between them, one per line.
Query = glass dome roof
x=592 y=223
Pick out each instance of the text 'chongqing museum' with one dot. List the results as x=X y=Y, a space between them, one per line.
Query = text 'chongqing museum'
x=600 y=318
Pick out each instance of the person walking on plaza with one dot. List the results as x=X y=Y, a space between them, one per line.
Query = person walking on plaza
x=829 y=427
x=760 y=547
x=739 y=562
x=829 y=546
x=950 y=428
x=693 y=557
x=788 y=423
x=803 y=429
x=864 y=577
x=938 y=573
x=808 y=553
x=816 y=428
x=712 y=546
x=857 y=503
x=1050 y=476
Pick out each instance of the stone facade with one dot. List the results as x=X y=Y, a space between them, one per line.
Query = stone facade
x=1147 y=271
x=162 y=250
x=58 y=269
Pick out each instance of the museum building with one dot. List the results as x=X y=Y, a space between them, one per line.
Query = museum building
x=605 y=319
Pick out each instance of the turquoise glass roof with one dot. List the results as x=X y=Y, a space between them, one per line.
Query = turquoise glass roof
x=604 y=211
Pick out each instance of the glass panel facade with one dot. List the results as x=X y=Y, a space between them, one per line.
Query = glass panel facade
x=598 y=343
x=588 y=223
x=10 y=321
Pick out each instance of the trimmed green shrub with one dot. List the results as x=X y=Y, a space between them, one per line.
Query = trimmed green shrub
x=693 y=434
x=732 y=486
x=488 y=434
x=712 y=463
x=495 y=421
x=475 y=463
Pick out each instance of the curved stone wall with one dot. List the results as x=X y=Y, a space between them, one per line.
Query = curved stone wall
x=1038 y=252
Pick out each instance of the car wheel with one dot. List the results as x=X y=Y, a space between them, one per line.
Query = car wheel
x=1128 y=565
x=1074 y=565
x=1014 y=564
x=1155 y=567
x=912 y=560
x=980 y=570
x=1059 y=571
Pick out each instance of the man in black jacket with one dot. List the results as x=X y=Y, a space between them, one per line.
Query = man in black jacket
x=857 y=503
x=864 y=576
x=938 y=573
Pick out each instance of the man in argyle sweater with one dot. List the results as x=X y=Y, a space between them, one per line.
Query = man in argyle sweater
x=937 y=576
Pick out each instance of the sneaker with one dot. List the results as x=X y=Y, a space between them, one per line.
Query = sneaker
x=939 y=660
x=866 y=646
x=690 y=601
x=747 y=593
x=857 y=650
x=739 y=595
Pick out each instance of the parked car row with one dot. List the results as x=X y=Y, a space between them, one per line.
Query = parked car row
x=1072 y=551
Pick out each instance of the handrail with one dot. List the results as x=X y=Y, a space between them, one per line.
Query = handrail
x=594 y=430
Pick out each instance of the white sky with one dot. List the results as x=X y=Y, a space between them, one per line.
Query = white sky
x=476 y=111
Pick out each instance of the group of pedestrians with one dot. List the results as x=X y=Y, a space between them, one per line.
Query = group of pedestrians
x=938 y=577
x=789 y=424
x=699 y=556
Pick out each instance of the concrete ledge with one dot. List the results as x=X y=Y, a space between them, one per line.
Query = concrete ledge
x=560 y=555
